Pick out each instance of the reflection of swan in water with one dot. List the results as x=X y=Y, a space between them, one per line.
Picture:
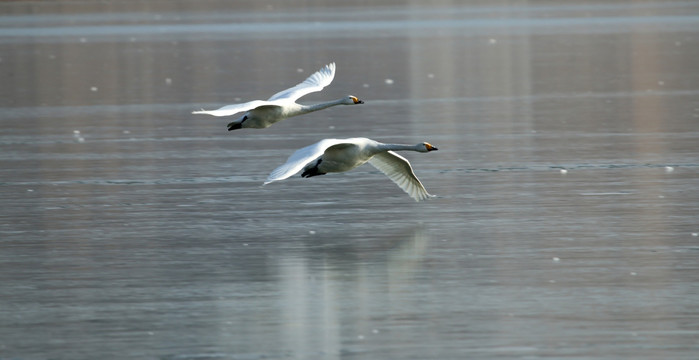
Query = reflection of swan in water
x=316 y=286
x=260 y=114
x=338 y=155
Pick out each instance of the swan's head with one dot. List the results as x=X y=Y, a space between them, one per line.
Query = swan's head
x=351 y=100
x=427 y=147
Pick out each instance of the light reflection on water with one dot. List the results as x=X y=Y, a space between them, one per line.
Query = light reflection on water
x=131 y=228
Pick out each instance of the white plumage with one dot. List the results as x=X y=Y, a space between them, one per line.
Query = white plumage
x=261 y=114
x=338 y=155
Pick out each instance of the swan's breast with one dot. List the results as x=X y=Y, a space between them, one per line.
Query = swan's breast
x=264 y=116
x=342 y=157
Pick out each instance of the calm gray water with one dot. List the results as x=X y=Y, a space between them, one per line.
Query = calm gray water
x=565 y=223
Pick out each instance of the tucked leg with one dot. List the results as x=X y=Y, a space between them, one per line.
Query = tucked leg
x=312 y=171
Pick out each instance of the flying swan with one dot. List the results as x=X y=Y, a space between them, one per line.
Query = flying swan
x=260 y=114
x=338 y=155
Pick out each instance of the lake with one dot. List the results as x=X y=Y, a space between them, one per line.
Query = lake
x=564 y=222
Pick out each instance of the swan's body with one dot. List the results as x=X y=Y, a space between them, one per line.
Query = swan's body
x=260 y=114
x=338 y=155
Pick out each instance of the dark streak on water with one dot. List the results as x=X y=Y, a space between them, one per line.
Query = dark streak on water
x=565 y=222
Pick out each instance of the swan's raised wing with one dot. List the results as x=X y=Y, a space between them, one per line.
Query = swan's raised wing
x=398 y=169
x=313 y=83
x=300 y=158
x=233 y=109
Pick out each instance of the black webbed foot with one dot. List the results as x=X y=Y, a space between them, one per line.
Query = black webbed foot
x=237 y=125
x=313 y=171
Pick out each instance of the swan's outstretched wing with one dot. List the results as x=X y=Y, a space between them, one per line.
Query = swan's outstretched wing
x=398 y=169
x=300 y=158
x=233 y=109
x=313 y=83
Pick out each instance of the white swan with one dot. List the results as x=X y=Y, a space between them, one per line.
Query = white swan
x=260 y=114
x=337 y=155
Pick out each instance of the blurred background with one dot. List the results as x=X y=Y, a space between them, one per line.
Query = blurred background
x=564 y=223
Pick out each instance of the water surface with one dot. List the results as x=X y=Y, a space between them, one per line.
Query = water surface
x=564 y=223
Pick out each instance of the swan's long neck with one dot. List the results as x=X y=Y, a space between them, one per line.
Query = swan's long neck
x=399 y=147
x=315 y=107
